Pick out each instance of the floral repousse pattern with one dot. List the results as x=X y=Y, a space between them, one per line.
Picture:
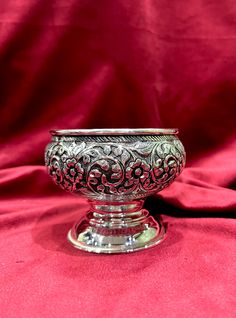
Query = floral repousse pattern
x=108 y=168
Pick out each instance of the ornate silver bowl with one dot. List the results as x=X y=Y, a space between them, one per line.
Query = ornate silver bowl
x=116 y=169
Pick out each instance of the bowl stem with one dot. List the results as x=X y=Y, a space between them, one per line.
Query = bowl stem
x=116 y=227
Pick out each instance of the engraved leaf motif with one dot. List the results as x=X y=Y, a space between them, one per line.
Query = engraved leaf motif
x=117 y=171
x=112 y=189
x=167 y=148
x=93 y=152
x=95 y=173
x=79 y=147
x=86 y=159
x=101 y=188
x=104 y=165
x=125 y=157
x=172 y=163
x=107 y=150
x=116 y=175
x=117 y=151
x=116 y=168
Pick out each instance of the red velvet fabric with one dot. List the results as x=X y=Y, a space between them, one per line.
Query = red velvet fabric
x=101 y=64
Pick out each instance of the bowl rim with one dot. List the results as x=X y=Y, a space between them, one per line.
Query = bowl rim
x=114 y=131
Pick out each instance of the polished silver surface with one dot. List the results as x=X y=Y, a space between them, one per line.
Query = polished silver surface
x=116 y=170
x=116 y=232
x=127 y=131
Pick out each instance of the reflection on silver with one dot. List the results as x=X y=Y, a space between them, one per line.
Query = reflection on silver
x=116 y=169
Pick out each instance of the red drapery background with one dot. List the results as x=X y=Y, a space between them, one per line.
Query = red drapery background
x=102 y=64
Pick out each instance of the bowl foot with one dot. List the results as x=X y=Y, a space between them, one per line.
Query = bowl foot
x=116 y=232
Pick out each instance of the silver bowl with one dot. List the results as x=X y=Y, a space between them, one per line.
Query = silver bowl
x=116 y=169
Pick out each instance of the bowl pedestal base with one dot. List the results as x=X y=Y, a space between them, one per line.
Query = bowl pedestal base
x=116 y=227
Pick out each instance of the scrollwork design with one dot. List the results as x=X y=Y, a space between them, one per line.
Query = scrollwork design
x=134 y=169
